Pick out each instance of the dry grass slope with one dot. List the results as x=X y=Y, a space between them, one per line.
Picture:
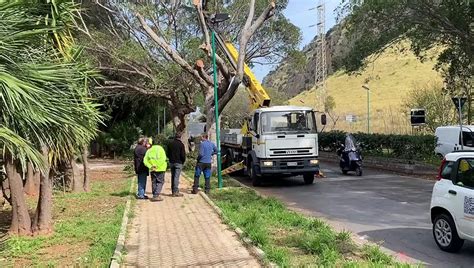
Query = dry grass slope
x=392 y=75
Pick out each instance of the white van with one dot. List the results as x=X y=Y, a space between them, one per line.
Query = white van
x=449 y=139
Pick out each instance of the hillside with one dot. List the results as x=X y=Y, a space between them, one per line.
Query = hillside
x=294 y=77
x=393 y=74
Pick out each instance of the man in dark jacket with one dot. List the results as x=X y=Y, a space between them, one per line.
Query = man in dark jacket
x=140 y=169
x=177 y=156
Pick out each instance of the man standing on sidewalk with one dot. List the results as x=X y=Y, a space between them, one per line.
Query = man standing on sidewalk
x=155 y=160
x=140 y=169
x=206 y=150
x=177 y=156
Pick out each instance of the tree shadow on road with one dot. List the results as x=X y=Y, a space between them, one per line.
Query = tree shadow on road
x=277 y=181
x=418 y=243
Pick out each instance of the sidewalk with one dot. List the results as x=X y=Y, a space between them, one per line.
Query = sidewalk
x=182 y=232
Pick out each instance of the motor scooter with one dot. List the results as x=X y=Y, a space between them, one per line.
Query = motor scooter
x=350 y=157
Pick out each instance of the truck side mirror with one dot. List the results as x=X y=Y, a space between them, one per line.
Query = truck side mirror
x=323 y=119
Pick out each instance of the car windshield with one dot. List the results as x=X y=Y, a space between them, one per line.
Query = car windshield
x=289 y=121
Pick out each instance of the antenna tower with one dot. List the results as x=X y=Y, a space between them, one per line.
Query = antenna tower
x=321 y=70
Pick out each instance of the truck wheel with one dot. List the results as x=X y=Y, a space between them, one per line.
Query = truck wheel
x=228 y=159
x=445 y=234
x=256 y=181
x=359 y=171
x=308 y=178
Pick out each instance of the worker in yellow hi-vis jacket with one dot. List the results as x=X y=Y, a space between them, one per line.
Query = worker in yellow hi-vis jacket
x=155 y=160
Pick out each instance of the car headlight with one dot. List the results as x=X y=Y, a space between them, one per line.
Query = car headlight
x=268 y=163
x=314 y=161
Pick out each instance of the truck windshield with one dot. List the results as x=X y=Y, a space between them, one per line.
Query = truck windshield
x=288 y=121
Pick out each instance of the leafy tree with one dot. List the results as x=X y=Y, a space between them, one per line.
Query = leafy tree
x=178 y=41
x=439 y=107
x=46 y=115
x=446 y=24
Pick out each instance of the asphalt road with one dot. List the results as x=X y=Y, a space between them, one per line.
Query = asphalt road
x=385 y=208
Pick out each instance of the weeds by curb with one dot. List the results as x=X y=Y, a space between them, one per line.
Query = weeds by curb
x=117 y=257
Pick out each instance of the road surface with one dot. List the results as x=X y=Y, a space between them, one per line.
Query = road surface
x=382 y=207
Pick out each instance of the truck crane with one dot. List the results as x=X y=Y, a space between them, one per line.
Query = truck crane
x=278 y=140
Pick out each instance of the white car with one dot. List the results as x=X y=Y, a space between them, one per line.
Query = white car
x=452 y=201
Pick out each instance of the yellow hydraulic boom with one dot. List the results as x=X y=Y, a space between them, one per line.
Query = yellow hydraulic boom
x=258 y=96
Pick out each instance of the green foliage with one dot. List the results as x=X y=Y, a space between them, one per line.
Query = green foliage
x=376 y=256
x=329 y=104
x=439 y=107
x=44 y=95
x=290 y=239
x=81 y=220
x=373 y=25
x=419 y=147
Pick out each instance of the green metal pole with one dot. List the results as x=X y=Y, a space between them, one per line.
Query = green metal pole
x=216 y=109
x=368 y=111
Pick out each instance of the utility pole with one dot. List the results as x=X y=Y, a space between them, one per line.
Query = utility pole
x=216 y=109
x=366 y=87
x=164 y=119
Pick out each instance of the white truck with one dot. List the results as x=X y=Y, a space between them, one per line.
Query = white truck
x=449 y=139
x=276 y=140
x=282 y=140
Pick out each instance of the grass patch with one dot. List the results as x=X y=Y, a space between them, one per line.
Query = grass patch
x=290 y=239
x=227 y=181
x=86 y=227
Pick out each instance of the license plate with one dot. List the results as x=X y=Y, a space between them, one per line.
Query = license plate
x=292 y=164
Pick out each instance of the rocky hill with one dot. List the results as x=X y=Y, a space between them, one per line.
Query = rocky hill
x=293 y=77
x=392 y=74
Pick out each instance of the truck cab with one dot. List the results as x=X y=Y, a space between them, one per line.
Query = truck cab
x=280 y=140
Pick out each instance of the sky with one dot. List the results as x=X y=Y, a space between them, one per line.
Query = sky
x=299 y=14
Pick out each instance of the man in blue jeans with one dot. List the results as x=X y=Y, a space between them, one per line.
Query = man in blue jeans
x=140 y=169
x=177 y=156
x=206 y=150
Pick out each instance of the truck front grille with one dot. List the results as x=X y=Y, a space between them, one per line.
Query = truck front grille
x=291 y=151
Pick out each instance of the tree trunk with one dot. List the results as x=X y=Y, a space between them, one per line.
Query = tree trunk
x=21 y=221
x=77 y=181
x=469 y=102
x=5 y=190
x=32 y=181
x=179 y=122
x=2 y=200
x=42 y=223
x=85 y=163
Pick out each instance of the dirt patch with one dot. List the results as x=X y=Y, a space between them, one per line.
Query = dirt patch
x=84 y=224
x=64 y=253
x=107 y=174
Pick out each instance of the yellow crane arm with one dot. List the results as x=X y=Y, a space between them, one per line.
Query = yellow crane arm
x=258 y=96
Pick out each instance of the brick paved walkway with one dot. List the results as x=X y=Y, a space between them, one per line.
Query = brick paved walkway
x=182 y=232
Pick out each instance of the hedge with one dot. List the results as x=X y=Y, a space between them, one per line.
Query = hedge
x=419 y=147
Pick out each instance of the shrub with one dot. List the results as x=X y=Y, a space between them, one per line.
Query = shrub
x=419 y=147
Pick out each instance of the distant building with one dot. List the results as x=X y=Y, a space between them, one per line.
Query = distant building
x=195 y=127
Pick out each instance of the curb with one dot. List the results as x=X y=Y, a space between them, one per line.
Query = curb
x=256 y=251
x=117 y=257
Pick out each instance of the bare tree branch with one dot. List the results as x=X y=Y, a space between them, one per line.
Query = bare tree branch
x=248 y=30
x=116 y=85
x=171 y=52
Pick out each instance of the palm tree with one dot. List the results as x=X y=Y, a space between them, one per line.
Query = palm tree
x=45 y=109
